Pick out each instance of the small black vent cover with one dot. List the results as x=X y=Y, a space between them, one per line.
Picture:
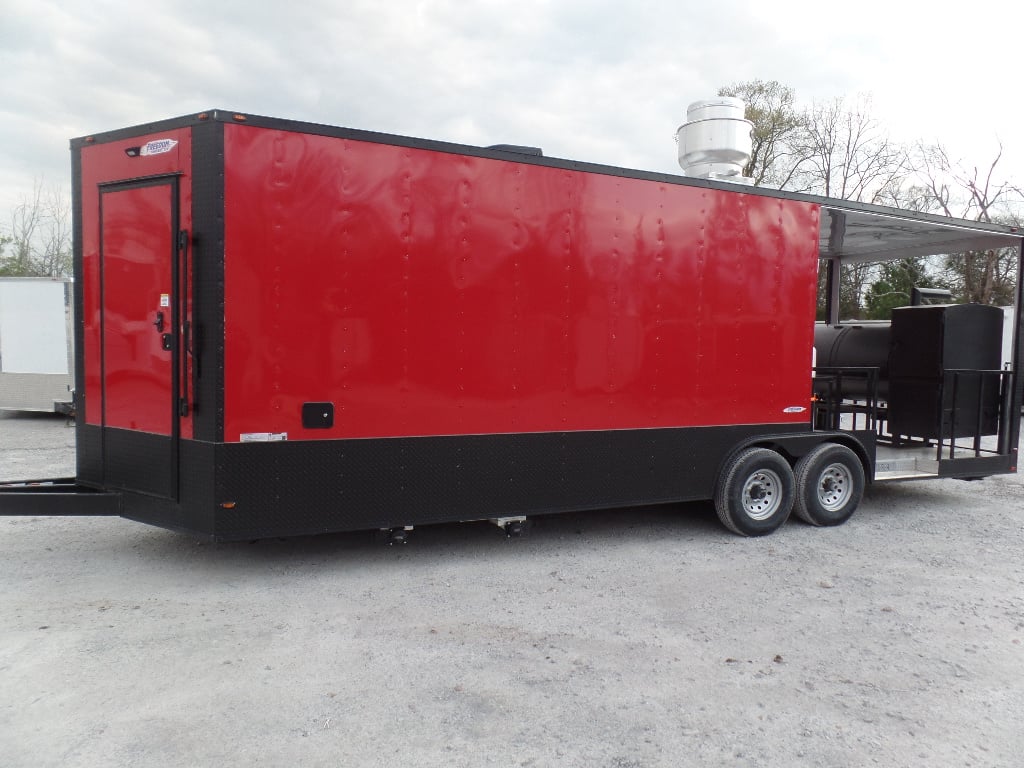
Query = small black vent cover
x=317 y=415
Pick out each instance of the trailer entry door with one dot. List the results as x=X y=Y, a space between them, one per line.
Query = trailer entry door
x=139 y=341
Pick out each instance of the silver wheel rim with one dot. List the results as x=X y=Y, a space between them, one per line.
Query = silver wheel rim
x=762 y=494
x=834 y=487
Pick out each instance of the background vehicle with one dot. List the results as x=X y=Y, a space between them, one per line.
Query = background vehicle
x=36 y=349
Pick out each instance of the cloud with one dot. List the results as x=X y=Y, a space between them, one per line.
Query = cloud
x=593 y=80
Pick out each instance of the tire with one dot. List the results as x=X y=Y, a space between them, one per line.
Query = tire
x=755 y=491
x=829 y=485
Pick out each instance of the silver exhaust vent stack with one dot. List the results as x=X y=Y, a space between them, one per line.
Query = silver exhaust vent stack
x=714 y=142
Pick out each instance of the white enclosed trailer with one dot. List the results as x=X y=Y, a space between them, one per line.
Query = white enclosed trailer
x=36 y=344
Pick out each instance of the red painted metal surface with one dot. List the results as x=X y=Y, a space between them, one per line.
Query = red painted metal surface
x=103 y=164
x=137 y=239
x=426 y=293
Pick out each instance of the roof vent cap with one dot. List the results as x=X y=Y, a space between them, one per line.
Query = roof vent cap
x=715 y=141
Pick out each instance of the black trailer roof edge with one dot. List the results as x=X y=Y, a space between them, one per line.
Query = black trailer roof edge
x=357 y=134
x=171 y=123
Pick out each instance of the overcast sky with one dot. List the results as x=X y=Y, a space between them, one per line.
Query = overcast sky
x=590 y=80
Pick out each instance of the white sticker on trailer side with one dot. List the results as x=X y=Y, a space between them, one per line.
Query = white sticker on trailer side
x=263 y=437
x=158 y=147
x=33 y=327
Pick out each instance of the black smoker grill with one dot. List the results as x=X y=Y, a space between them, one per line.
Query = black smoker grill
x=944 y=377
x=937 y=368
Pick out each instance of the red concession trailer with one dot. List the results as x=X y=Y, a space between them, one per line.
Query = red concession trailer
x=286 y=328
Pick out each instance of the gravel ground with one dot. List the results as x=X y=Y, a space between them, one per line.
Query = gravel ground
x=610 y=639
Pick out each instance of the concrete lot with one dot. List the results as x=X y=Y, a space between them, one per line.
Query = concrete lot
x=619 y=639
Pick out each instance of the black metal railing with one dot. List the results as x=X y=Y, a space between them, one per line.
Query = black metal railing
x=951 y=414
x=978 y=405
x=846 y=391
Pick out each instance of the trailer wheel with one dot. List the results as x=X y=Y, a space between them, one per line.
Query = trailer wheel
x=829 y=485
x=754 y=495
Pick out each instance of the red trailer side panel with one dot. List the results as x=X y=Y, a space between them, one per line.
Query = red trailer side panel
x=427 y=293
x=127 y=199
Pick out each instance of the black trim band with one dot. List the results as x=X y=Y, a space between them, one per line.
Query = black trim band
x=256 y=490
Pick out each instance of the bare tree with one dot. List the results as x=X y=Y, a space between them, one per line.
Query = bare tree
x=965 y=193
x=54 y=257
x=770 y=107
x=970 y=192
x=842 y=151
x=38 y=241
x=839 y=149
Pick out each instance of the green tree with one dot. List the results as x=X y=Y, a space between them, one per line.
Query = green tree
x=854 y=280
x=893 y=287
x=5 y=240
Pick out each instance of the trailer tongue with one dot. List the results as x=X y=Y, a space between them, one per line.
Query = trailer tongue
x=57 y=497
x=285 y=328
